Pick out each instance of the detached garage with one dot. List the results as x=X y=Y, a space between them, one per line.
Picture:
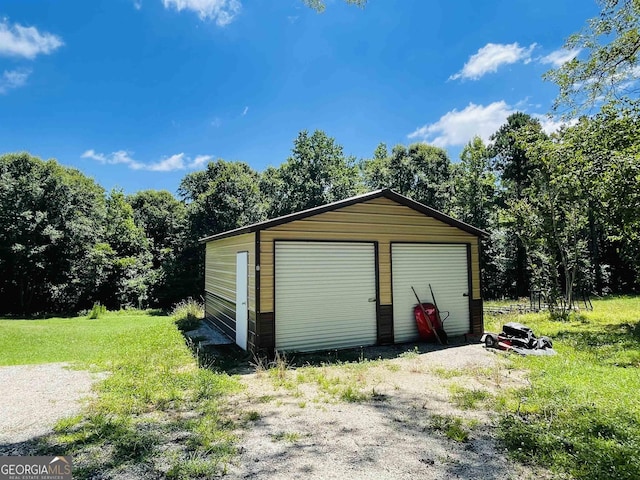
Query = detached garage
x=340 y=275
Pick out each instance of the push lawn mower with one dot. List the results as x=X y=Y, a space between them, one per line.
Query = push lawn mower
x=518 y=338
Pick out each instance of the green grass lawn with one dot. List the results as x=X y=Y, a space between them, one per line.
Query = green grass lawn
x=581 y=413
x=154 y=393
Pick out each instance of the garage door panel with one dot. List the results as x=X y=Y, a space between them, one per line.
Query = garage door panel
x=445 y=267
x=322 y=295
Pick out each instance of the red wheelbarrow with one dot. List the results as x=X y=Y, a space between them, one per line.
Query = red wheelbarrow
x=428 y=320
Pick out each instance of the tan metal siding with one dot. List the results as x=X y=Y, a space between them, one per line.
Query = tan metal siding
x=380 y=220
x=220 y=270
x=325 y=295
x=442 y=266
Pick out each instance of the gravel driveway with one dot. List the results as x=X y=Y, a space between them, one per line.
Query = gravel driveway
x=34 y=397
x=298 y=434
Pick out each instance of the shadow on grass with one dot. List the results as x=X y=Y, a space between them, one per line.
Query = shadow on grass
x=614 y=344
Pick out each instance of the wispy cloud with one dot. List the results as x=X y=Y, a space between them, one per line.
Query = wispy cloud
x=223 y=12
x=458 y=127
x=216 y=122
x=244 y=112
x=13 y=79
x=200 y=161
x=179 y=161
x=20 y=41
x=137 y=4
x=491 y=57
x=559 y=57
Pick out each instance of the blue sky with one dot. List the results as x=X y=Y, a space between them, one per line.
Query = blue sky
x=136 y=93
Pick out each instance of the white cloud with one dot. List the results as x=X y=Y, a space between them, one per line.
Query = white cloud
x=174 y=162
x=559 y=57
x=115 y=158
x=458 y=127
x=490 y=57
x=27 y=42
x=223 y=12
x=216 y=122
x=549 y=125
x=179 y=161
x=244 y=112
x=200 y=161
x=13 y=79
x=137 y=4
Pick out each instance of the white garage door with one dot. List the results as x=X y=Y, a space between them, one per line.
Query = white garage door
x=443 y=266
x=325 y=295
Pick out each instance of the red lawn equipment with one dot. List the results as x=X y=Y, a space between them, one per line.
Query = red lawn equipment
x=428 y=321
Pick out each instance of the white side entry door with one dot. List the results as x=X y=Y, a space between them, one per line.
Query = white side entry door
x=242 y=298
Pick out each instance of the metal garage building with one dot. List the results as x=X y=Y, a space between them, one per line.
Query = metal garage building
x=340 y=275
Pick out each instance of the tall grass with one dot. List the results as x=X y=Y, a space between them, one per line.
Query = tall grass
x=581 y=413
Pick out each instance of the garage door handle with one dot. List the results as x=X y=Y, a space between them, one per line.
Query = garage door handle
x=465 y=294
x=371 y=300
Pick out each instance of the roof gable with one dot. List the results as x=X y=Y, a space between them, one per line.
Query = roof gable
x=386 y=193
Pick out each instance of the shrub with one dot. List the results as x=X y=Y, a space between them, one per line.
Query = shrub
x=97 y=310
x=187 y=314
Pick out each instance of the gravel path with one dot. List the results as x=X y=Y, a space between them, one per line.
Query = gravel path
x=298 y=434
x=34 y=397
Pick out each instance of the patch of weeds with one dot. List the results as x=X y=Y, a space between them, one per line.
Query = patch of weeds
x=265 y=398
x=392 y=367
x=134 y=443
x=66 y=425
x=278 y=370
x=446 y=373
x=195 y=467
x=96 y=311
x=353 y=395
x=302 y=404
x=410 y=353
x=252 y=416
x=467 y=398
x=187 y=314
x=453 y=427
x=291 y=437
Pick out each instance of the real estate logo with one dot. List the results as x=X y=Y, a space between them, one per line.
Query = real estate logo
x=35 y=468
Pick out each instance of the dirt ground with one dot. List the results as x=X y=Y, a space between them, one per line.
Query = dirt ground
x=382 y=420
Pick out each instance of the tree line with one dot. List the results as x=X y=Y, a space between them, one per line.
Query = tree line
x=562 y=213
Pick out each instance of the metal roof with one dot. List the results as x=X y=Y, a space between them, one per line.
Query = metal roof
x=386 y=193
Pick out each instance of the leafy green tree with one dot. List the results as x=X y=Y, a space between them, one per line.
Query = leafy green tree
x=50 y=219
x=474 y=186
x=419 y=171
x=474 y=202
x=553 y=219
x=131 y=269
x=316 y=173
x=516 y=168
x=163 y=219
x=224 y=196
x=607 y=147
x=609 y=69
